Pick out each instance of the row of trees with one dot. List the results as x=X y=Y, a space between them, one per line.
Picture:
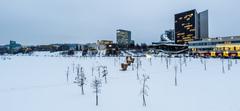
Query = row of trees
x=101 y=72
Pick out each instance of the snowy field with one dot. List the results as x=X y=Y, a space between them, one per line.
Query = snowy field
x=39 y=83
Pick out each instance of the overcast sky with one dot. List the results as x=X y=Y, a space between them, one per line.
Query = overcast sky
x=81 y=21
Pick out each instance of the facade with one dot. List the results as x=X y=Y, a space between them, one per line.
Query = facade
x=123 y=37
x=112 y=50
x=216 y=47
x=203 y=25
x=101 y=44
x=104 y=42
x=191 y=26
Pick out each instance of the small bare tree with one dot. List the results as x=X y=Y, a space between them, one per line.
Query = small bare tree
x=105 y=73
x=92 y=70
x=180 y=62
x=99 y=69
x=132 y=66
x=201 y=60
x=96 y=84
x=167 y=61
x=115 y=60
x=205 y=64
x=138 y=64
x=73 y=66
x=67 y=74
x=150 y=60
x=229 y=64
x=144 y=90
x=185 y=60
x=80 y=79
x=223 y=69
x=175 y=78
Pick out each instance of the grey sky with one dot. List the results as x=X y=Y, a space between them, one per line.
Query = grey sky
x=81 y=21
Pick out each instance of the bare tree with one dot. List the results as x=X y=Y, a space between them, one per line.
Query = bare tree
x=161 y=56
x=67 y=74
x=105 y=73
x=144 y=88
x=223 y=70
x=73 y=67
x=205 y=65
x=132 y=66
x=175 y=78
x=138 y=64
x=80 y=79
x=99 y=69
x=185 y=60
x=229 y=64
x=96 y=84
x=201 y=60
x=180 y=62
x=150 y=60
x=92 y=70
x=167 y=61
x=115 y=60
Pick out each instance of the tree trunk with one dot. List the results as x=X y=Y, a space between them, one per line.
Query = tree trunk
x=229 y=66
x=175 y=80
x=67 y=77
x=96 y=100
x=144 y=101
x=82 y=90
x=180 y=64
x=205 y=65
x=137 y=75
x=175 y=75
x=106 y=79
x=92 y=71
x=223 y=70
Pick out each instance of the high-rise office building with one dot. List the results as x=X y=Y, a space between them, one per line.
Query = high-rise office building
x=190 y=26
x=123 y=37
x=203 y=24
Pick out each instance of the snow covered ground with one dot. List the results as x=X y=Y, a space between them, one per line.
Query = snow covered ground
x=38 y=83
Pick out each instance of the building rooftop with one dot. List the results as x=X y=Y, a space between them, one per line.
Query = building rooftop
x=217 y=39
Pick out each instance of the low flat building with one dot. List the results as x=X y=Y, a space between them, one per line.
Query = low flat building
x=216 y=47
x=101 y=44
x=112 y=50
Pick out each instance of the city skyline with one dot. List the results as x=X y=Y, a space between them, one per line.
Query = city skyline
x=45 y=22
